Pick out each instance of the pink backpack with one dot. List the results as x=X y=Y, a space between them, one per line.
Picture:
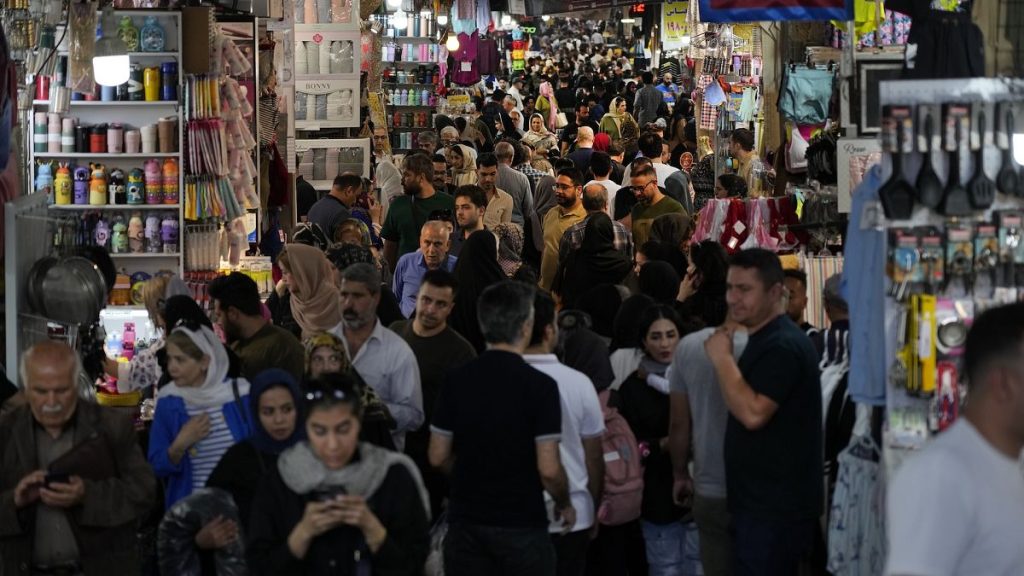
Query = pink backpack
x=623 y=471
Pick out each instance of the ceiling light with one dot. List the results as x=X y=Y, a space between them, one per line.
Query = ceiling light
x=506 y=20
x=110 y=59
x=442 y=19
x=394 y=4
x=545 y=17
x=453 y=44
x=399 y=20
x=627 y=20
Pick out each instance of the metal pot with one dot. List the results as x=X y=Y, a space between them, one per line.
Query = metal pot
x=73 y=290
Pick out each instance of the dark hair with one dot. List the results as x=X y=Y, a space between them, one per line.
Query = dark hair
x=767 y=264
x=441 y=278
x=562 y=163
x=650 y=144
x=347 y=180
x=487 y=160
x=441 y=215
x=600 y=163
x=743 y=137
x=711 y=260
x=797 y=275
x=543 y=315
x=662 y=252
x=184 y=310
x=995 y=334
x=475 y=194
x=502 y=310
x=583 y=104
x=647 y=77
x=439 y=158
x=420 y=164
x=572 y=174
x=652 y=314
x=365 y=274
x=615 y=149
x=733 y=184
x=659 y=280
x=236 y=290
x=643 y=169
x=332 y=389
x=690 y=131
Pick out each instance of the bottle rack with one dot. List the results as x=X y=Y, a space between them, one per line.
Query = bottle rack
x=131 y=115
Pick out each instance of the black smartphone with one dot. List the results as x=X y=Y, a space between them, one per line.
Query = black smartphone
x=56 y=478
x=329 y=494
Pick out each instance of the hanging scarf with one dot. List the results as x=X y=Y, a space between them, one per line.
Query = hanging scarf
x=304 y=473
x=317 y=305
x=266 y=380
x=214 y=391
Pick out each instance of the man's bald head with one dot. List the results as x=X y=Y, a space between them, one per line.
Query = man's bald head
x=585 y=135
x=595 y=198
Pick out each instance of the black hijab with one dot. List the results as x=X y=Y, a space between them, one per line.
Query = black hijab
x=601 y=303
x=476 y=269
x=627 y=321
x=585 y=351
x=660 y=281
x=596 y=262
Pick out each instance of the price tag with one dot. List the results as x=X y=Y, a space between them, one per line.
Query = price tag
x=466 y=66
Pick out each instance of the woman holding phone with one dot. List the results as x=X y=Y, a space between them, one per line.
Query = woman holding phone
x=335 y=505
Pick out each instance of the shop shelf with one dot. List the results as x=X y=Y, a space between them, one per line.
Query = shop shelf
x=153 y=54
x=118 y=103
x=139 y=255
x=90 y=207
x=407 y=84
x=89 y=156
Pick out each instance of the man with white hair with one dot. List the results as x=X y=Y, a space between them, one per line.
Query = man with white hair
x=584 y=148
x=509 y=104
x=60 y=511
x=449 y=136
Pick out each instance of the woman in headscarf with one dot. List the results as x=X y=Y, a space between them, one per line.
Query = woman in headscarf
x=660 y=281
x=601 y=142
x=504 y=127
x=547 y=105
x=620 y=126
x=476 y=269
x=199 y=415
x=335 y=505
x=510 y=252
x=325 y=354
x=702 y=291
x=538 y=135
x=674 y=229
x=462 y=161
x=596 y=262
x=315 y=301
x=277 y=424
x=601 y=304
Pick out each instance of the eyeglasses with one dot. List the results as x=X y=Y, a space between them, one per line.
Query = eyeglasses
x=560 y=186
x=639 y=189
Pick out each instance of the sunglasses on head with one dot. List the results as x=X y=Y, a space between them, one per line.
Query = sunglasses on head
x=320 y=393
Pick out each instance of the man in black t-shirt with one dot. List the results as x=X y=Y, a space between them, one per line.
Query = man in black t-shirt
x=773 y=439
x=567 y=142
x=438 y=349
x=496 y=428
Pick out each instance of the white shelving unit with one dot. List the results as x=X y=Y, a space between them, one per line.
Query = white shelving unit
x=131 y=115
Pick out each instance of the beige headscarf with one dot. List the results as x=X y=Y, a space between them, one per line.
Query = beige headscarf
x=467 y=174
x=315 y=301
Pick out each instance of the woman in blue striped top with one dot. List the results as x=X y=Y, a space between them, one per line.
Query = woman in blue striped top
x=199 y=415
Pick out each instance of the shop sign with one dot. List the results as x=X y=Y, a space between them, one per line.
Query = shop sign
x=458 y=100
x=774 y=10
x=673 y=23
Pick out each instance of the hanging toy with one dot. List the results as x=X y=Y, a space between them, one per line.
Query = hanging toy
x=62 y=185
x=98 y=184
x=44 y=180
x=135 y=233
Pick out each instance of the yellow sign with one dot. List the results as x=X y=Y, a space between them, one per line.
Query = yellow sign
x=673 y=23
x=458 y=100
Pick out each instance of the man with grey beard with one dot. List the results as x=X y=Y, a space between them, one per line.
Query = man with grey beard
x=73 y=480
x=379 y=355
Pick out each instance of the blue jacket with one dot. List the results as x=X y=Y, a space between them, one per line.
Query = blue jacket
x=168 y=421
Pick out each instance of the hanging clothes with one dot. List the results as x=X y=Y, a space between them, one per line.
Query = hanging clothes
x=856 y=535
x=465 y=71
x=488 y=56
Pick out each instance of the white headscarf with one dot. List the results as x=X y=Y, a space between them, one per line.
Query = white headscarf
x=215 y=390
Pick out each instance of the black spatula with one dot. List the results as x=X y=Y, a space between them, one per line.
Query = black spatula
x=981 y=189
x=1008 y=180
x=929 y=187
x=897 y=195
x=955 y=201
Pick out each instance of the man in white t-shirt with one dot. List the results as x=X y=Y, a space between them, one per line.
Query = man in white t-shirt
x=580 y=448
x=957 y=507
x=601 y=166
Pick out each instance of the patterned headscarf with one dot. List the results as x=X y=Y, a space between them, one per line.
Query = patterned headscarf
x=510 y=247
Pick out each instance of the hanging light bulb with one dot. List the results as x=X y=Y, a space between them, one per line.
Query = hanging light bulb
x=453 y=44
x=442 y=19
x=110 y=60
x=545 y=17
x=506 y=20
x=399 y=21
x=394 y=4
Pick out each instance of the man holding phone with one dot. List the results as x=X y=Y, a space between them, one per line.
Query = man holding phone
x=60 y=510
